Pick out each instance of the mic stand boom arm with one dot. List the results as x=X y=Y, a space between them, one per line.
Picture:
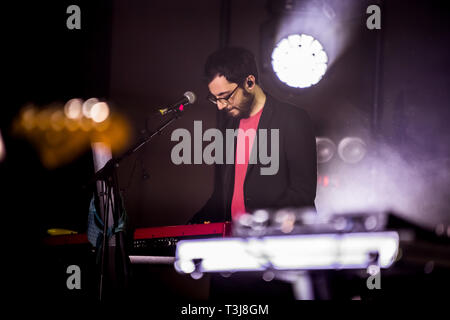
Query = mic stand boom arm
x=113 y=203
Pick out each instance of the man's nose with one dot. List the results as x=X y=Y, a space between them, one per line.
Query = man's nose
x=221 y=106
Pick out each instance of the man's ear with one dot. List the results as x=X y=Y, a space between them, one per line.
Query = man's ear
x=250 y=81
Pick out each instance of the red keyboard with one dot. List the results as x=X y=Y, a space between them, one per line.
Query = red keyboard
x=222 y=229
x=218 y=228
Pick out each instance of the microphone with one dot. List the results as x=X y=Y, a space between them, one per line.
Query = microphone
x=188 y=98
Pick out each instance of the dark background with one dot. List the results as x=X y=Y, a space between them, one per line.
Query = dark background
x=140 y=55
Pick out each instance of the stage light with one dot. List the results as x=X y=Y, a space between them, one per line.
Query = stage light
x=87 y=106
x=325 y=149
x=299 y=61
x=99 y=112
x=352 y=149
x=72 y=109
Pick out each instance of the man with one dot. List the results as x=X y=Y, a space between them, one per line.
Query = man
x=242 y=186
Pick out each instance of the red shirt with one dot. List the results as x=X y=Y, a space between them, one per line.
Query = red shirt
x=245 y=138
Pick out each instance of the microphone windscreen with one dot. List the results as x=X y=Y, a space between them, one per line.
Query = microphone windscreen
x=190 y=96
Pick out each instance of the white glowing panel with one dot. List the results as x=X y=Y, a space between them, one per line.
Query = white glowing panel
x=293 y=252
x=299 y=61
x=230 y=254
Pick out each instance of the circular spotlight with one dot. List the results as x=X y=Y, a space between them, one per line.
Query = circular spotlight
x=325 y=149
x=87 y=107
x=99 y=112
x=352 y=149
x=73 y=108
x=299 y=61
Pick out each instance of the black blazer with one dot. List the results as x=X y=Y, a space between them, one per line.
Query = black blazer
x=294 y=185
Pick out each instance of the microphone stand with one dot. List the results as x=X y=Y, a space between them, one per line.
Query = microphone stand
x=113 y=202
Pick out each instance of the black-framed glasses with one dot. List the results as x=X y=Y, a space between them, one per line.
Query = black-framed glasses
x=223 y=100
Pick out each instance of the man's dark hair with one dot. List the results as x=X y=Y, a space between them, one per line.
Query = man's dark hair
x=234 y=63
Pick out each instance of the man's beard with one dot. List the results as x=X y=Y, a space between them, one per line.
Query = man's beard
x=245 y=108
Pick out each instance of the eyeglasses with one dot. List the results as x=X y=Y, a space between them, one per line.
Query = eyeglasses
x=223 y=100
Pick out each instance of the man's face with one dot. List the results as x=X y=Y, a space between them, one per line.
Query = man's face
x=239 y=105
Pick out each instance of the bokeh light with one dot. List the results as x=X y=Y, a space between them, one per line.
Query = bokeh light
x=87 y=107
x=100 y=112
x=326 y=149
x=352 y=149
x=72 y=109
